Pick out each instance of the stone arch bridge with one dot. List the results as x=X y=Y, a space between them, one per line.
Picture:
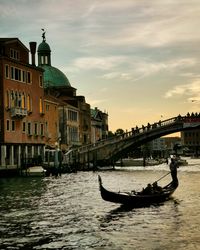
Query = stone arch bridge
x=108 y=151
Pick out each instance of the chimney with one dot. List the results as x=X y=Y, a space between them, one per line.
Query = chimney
x=33 y=50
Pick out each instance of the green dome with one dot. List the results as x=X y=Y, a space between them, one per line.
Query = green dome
x=44 y=47
x=53 y=77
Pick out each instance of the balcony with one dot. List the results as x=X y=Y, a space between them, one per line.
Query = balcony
x=18 y=112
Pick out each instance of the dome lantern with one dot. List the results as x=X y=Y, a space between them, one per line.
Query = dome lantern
x=44 y=52
x=53 y=77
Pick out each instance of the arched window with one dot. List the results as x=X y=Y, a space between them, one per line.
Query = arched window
x=19 y=100
x=23 y=101
x=41 y=105
x=16 y=99
x=12 y=99
x=28 y=102
x=7 y=103
x=42 y=59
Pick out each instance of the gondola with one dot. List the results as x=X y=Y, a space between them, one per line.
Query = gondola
x=138 y=199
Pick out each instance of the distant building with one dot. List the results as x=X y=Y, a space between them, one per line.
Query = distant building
x=22 y=122
x=164 y=146
x=190 y=139
x=158 y=144
x=171 y=143
x=99 y=125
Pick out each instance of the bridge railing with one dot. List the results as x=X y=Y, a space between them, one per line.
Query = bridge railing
x=133 y=133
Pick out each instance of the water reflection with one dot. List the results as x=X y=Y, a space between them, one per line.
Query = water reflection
x=126 y=211
x=68 y=213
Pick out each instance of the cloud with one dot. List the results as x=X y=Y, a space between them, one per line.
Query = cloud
x=101 y=63
x=152 y=25
x=139 y=68
x=168 y=65
x=117 y=75
x=192 y=90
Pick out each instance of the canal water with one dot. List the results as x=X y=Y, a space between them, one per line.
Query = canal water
x=68 y=213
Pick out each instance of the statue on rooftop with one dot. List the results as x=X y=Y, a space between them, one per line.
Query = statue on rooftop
x=43 y=35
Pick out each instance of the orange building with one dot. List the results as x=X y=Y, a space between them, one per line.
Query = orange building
x=52 y=135
x=22 y=121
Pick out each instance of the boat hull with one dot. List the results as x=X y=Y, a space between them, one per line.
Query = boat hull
x=136 y=200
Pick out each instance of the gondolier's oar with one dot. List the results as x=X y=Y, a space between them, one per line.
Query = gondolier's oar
x=162 y=177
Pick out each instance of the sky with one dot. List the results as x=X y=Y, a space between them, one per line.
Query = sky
x=137 y=60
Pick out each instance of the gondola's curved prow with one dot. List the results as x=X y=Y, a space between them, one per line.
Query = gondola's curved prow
x=137 y=199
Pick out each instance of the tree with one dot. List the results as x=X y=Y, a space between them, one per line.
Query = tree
x=119 y=131
x=110 y=134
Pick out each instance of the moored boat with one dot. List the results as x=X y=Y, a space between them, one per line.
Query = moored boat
x=129 y=162
x=34 y=171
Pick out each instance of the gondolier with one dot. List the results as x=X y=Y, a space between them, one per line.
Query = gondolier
x=173 y=168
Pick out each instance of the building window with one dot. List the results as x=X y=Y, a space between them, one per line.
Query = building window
x=12 y=99
x=14 y=54
x=8 y=125
x=23 y=98
x=41 y=129
x=47 y=129
x=24 y=127
x=7 y=71
x=44 y=59
x=29 y=129
x=16 y=99
x=47 y=107
x=7 y=104
x=41 y=106
x=16 y=74
x=73 y=134
x=36 y=129
x=19 y=104
x=72 y=115
x=41 y=81
x=29 y=77
x=29 y=104
x=23 y=76
x=12 y=73
x=13 y=126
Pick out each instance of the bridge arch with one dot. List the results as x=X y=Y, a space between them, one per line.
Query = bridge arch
x=107 y=151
